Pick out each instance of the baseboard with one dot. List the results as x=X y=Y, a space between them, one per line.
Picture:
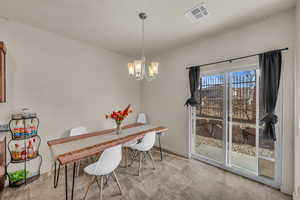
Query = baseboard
x=296 y=196
x=172 y=152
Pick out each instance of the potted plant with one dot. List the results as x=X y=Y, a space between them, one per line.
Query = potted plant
x=17 y=178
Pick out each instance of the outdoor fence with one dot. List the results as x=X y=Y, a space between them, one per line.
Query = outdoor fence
x=242 y=96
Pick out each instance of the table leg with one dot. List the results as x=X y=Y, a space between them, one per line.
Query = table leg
x=66 y=181
x=161 y=156
x=126 y=158
x=73 y=181
x=56 y=174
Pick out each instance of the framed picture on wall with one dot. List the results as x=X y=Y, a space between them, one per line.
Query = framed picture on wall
x=2 y=73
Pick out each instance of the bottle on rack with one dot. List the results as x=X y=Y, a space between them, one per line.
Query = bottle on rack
x=23 y=154
x=30 y=151
x=14 y=128
x=16 y=153
x=34 y=147
x=34 y=124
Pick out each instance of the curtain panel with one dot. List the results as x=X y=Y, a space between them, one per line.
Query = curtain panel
x=194 y=77
x=270 y=66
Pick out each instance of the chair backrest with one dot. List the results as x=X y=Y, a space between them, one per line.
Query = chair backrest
x=141 y=118
x=147 y=142
x=78 y=131
x=109 y=160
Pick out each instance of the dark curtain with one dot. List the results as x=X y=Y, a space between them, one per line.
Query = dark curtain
x=270 y=66
x=194 y=76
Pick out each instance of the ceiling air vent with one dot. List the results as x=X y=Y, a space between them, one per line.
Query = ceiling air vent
x=196 y=13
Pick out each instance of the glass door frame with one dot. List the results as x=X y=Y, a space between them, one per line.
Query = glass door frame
x=226 y=162
x=230 y=118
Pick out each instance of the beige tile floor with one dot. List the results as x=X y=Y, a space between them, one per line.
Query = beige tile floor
x=174 y=179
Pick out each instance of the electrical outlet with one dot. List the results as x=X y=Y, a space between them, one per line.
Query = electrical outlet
x=4 y=128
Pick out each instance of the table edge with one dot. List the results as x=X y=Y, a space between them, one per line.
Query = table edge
x=92 y=134
x=92 y=150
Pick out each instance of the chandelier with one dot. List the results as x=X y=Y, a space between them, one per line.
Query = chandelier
x=138 y=68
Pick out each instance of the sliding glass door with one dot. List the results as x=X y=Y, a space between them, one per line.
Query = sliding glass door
x=225 y=126
x=210 y=126
x=243 y=120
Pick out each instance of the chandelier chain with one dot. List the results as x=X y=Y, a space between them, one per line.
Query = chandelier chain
x=143 y=38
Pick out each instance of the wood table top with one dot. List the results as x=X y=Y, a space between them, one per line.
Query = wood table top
x=70 y=149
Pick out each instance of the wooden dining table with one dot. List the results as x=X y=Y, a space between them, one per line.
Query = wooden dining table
x=70 y=150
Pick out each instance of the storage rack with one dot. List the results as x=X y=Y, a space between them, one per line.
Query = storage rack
x=23 y=137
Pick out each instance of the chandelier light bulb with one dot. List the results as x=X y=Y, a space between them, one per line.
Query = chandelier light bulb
x=151 y=72
x=138 y=66
x=131 y=69
x=155 y=67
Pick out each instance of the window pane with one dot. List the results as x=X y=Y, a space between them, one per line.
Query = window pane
x=243 y=120
x=209 y=124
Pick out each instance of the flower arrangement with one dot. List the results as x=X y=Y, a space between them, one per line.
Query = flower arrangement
x=119 y=116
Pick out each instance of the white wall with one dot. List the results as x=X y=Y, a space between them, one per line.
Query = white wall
x=66 y=82
x=297 y=108
x=163 y=99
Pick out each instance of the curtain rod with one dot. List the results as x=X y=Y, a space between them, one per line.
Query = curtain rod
x=233 y=59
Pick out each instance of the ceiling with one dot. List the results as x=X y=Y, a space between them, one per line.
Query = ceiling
x=114 y=24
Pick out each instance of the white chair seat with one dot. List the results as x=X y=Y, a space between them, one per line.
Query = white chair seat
x=144 y=147
x=90 y=169
x=137 y=147
x=130 y=143
x=146 y=144
x=108 y=162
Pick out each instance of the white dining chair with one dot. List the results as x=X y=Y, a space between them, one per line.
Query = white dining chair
x=75 y=132
x=144 y=148
x=141 y=118
x=78 y=131
x=104 y=167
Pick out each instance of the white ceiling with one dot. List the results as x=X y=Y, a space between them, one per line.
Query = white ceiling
x=114 y=24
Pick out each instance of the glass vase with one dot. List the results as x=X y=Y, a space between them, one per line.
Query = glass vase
x=118 y=129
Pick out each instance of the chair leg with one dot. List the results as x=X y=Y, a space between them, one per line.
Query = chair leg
x=106 y=181
x=98 y=182
x=91 y=183
x=117 y=181
x=140 y=164
x=151 y=158
x=101 y=187
x=130 y=157
x=78 y=168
